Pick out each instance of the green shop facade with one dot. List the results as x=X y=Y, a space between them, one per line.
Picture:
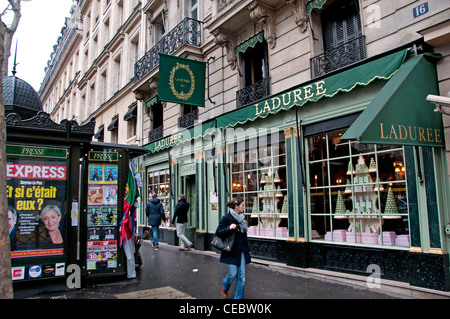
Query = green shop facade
x=346 y=172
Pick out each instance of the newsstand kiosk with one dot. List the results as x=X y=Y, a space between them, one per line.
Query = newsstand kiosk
x=105 y=172
x=65 y=199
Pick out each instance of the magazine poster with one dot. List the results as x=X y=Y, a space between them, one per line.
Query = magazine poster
x=110 y=194
x=95 y=173
x=109 y=216
x=36 y=195
x=110 y=173
x=101 y=254
x=102 y=234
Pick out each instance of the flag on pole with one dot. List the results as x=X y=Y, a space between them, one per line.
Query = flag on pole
x=128 y=222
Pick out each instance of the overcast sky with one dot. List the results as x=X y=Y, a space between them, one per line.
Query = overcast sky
x=37 y=33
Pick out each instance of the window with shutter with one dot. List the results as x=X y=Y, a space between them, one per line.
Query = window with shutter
x=343 y=41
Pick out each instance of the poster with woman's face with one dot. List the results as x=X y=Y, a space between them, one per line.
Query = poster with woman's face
x=36 y=193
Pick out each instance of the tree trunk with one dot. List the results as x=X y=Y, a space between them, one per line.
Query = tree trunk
x=6 y=289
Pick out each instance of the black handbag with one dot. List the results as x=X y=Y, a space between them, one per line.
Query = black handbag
x=223 y=244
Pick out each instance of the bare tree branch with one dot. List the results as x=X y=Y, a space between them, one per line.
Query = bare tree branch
x=9 y=33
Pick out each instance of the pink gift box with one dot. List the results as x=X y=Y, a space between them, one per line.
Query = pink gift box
x=350 y=237
x=369 y=238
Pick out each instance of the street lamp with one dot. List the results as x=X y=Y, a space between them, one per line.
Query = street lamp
x=442 y=103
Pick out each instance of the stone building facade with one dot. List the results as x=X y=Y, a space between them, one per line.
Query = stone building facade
x=296 y=92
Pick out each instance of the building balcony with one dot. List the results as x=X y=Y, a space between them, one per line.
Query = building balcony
x=339 y=57
x=155 y=134
x=188 y=120
x=253 y=93
x=187 y=31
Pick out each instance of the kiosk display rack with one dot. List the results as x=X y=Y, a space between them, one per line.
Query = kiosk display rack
x=103 y=213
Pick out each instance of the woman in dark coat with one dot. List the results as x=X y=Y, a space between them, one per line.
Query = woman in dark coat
x=239 y=255
x=155 y=214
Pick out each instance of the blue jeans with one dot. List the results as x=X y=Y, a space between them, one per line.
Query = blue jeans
x=155 y=236
x=233 y=272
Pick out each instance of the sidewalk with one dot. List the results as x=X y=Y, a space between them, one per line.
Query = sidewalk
x=173 y=274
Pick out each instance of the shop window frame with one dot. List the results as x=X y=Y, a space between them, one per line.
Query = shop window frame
x=381 y=155
x=251 y=161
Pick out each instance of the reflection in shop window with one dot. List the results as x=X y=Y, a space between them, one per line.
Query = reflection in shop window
x=159 y=182
x=357 y=192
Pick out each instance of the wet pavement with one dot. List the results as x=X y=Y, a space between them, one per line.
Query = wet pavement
x=172 y=274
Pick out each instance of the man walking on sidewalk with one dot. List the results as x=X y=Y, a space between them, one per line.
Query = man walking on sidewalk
x=181 y=214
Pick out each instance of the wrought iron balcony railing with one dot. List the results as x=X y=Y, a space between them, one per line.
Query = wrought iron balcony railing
x=187 y=120
x=253 y=93
x=155 y=134
x=341 y=56
x=187 y=31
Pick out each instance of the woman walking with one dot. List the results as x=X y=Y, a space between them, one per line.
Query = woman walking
x=239 y=255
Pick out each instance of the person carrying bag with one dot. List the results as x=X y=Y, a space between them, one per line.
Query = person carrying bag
x=239 y=255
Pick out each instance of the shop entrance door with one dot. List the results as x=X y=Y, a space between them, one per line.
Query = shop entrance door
x=190 y=193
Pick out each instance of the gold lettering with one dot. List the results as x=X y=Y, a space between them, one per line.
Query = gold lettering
x=400 y=127
x=273 y=101
x=410 y=133
x=381 y=128
x=308 y=93
x=430 y=135
x=437 y=132
x=284 y=100
x=297 y=94
x=319 y=87
x=421 y=134
x=393 y=133
x=266 y=107
x=257 y=110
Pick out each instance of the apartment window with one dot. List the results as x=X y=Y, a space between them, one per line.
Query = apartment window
x=92 y=99
x=255 y=75
x=343 y=42
x=341 y=24
x=113 y=127
x=357 y=192
x=104 y=86
x=158 y=28
x=192 y=9
x=118 y=74
x=258 y=175
x=157 y=115
x=130 y=118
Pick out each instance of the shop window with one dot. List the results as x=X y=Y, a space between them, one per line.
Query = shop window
x=357 y=192
x=159 y=182
x=258 y=175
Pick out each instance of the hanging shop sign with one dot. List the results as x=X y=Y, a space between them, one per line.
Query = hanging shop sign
x=36 y=194
x=181 y=80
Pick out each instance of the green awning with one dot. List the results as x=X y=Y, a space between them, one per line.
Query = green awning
x=400 y=113
x=250 y=42
x=314 y=4
x=152 y=101
x=383 y=68
x=197 y=131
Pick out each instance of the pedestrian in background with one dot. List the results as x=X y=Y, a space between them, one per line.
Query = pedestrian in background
x=155 y=214
x=239 y=255
x=181 y=210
